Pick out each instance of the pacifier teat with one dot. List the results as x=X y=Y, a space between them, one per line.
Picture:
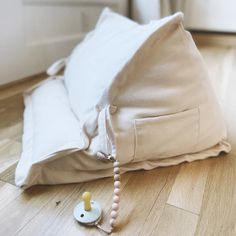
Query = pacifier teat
x=87 y=198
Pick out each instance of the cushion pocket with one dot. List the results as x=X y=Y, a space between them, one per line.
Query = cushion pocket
x=167 y=135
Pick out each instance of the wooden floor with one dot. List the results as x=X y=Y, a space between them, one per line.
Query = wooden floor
x=190 y=199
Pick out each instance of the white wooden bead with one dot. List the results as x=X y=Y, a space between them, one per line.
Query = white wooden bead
x=114 y=214
x=116 y=170
x=117 y=184
x=116 y=164
x=115 y=206
x=116 y=199
x=112 y=222
x=117 y=191
x=116 y=177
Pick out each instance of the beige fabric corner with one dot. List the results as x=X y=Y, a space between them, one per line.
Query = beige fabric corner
x=139 y=92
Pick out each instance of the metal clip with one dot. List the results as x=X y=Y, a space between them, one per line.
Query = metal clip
x=105 y=157
x=111 y=158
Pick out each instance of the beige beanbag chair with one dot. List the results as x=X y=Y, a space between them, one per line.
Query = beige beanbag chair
x=140 y=93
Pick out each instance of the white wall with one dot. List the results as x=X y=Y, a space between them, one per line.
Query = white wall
x=34 y=33
x=212 y=15
x=143 y=11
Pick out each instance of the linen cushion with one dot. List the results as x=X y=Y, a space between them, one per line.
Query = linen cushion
x=139 y=92
x=95 y=63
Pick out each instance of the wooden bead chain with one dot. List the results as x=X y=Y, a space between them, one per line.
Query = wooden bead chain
x=116 y=198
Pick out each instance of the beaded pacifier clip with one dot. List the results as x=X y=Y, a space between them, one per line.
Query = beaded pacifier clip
x=89 y=212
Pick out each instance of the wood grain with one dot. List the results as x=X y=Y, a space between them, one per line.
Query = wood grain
x=52 y=215
x=176 y=222
x=8 y=175
x=17 y=87
x=144 y=198
x=10 y=150
x=8 y=193
x=218 y=213
x=189 y=186
x=152 y=219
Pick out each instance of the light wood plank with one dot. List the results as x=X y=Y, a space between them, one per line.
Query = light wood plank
x=51 y=215
x=176 y=222
x=11 y=118
x=144 y=195
x=156 y=211
x=218 y=213
x=188 y=189
x=9 y=153
x=8 y=175
x=12 y=131
x=8 y=193
x=27 y=205
x=17 y=87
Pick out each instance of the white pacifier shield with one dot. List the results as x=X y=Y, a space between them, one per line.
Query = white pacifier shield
x=88 y=217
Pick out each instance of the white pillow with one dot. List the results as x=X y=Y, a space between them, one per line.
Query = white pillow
x=146 y=71
x=95 y=63
x=50 y=128
x=127 y=79
x=139 y=92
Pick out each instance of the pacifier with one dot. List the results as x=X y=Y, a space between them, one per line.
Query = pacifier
x=88 y=212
